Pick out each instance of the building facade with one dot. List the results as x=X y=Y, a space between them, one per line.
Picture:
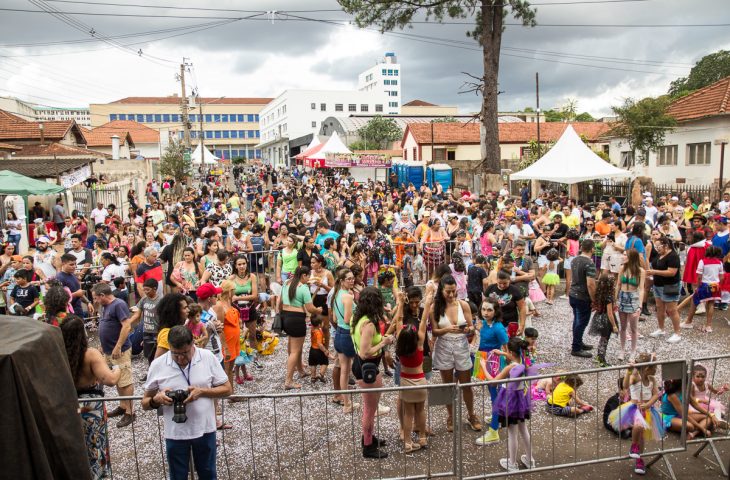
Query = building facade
x=298 y=113
x=385 y=76
x=33 y=112
x=229 y=127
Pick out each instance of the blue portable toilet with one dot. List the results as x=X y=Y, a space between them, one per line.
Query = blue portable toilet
x=414 y=173
x=439 y=172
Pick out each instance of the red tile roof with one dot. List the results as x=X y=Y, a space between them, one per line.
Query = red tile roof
x=709 y=101
x=7 y=146
x=452 y=133
x=419 y=103
x=15 y=128
x=102 y=137
x=174 y=100
x=140 y=133
x=59 y=150
x=7 y=116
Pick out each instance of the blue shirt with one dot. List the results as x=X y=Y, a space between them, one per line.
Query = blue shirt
x=721 y=241
x=321 y=238
x=492 y=336
x=637 y=244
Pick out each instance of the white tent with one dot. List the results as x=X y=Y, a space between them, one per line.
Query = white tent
x=198 y=156
x=333 y=145
x=570 y=161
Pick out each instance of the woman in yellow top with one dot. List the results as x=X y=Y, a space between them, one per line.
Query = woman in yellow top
x=171 y=311
x=369 y=345
x=564 y=400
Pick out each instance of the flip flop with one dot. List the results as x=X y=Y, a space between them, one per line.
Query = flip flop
x=294 y=386
x=223 y=426
x=339 y=402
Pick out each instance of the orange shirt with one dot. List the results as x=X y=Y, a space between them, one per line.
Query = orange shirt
x=316 y=338
x=603 y=229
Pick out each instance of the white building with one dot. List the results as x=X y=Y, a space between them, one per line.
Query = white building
x=81 y=115
x=296 y=113
x=385 y=76
x=692 y=150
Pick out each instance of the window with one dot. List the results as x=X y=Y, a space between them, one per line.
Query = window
x=239 y=117
x=217 y=118
x=364 y=107
x=322 y=107
x=258 y=134
x=234 y=133
x=251 y=133
x=405 y=154
x=283 y=110
x=193 y=134
x=166 y=117
x=352 y=107
x=158 y=118
x=224 y=118
x=392 y=94
x=627 y=160
x=226 y=134
x=451 y=155
x=390 y=72
x=525 y=152
x=218 y=134
x=313 y=106
x=149 y=118
x=314 y=124
x=285 y=128
x=396 y=73
x=208 y=134
x=140 y=118
x=175 y=117
x=386 y=82
x=112 y=116
x=378 y=107
x=415 y=158
x=667 y=155
x=393 y=104
x=394 y=82
x=338 y=107
x=698 y=153
x=439 y=154
x=384 y=72
x=208 y=117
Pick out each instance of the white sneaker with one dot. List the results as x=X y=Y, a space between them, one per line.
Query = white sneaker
x=620 y=356
x=382 y=410
x=686 y=325
x=656 y=333
x=564 y=297
x=531 y=464
x=701 y=309
x=674 y=338
x=509 y=466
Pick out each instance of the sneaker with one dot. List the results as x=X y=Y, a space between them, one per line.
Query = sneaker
x=700 y=309
x=117 y=412
x=656 y=333
x=674 y=338
x=585 y=347
x=582 y=353
x=686 y=325
x=474 y=423
x=634 y=451
x=491 y=436
x=601 y=361
x=621 y=356
x=564 y=297
x=645 y=311
x=382 y=410
x=524 y=461
x=143 y=379
x=640 y=468
x=509 y=466
x=126 y=420
x=372 y=451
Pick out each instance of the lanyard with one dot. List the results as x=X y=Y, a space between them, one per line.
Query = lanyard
x=187 y=377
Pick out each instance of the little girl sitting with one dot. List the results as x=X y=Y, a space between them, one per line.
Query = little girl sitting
x=639 y=413
x=551 y=278
x=564 y=401
x=703 y=391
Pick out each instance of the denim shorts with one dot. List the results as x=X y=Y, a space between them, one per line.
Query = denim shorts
x=659 y=293
x=628 y=302
x=343 y=343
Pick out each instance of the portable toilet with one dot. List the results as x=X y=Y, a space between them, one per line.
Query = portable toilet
x=414 y=173
x=441 y=173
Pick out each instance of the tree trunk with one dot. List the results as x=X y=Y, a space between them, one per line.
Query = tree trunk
x=491 y=42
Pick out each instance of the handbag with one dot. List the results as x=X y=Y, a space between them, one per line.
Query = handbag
x=671 y=290
x=277 y=325
x=369 y=371
x=244 y=311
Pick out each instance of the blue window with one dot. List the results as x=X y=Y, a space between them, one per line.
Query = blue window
x=234 y=134
x=258 y=134
x=385 y=72
x=224 y=118
x=216 y=117
x=396 y=73
x=192 y=118
x=238 y=118
x=122 y=116
x=149 y=118
x=217 y=134
x=258 y=153
x=166 y=117
x=140 y=118
x=180 y=135
x=175 y=117
x=158 y=118
x=226 y=134
x=208 y=117
x=112 y=116
x=249 y=118
x=209 y=134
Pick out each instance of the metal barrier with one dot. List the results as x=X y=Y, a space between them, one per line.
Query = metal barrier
x=710 y=380
x=305 y=435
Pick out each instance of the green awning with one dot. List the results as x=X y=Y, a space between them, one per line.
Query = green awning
x=12 y=183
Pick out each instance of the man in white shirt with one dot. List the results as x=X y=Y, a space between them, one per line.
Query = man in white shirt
x=724 y=204
x=99 y=214
x=46 y=258
x=651 y=210
x=520 y=230
x=195 y=378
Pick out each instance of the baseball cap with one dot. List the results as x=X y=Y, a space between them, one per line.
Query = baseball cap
x=647 y=194
x=718 y=218
x=17 y=258
x=207 y=290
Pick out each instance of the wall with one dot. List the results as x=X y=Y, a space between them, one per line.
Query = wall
x=435 y=110
x=124 y=169
x=699 y=131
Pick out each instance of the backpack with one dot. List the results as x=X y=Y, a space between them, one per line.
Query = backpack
x=257 y=260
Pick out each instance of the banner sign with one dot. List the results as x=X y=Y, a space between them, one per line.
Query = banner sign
x=70 y=179
x=372 y=160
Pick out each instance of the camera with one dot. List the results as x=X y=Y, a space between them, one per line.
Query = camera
x=89 y=280
x=178 y=407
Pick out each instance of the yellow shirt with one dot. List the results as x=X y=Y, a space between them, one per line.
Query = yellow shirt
x=162 y=338
x=561 y=395
x=234 y=201
x=571 y=221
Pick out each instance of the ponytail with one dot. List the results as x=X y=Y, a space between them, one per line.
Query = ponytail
x=295 y=280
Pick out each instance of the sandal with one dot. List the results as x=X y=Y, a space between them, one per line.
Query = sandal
x=293 y=386
x=423 y=442
x=338 y=402
x=449 y=424
x=223 y=426
x=303 y=375
x=239 y=380
x=352 y=407
x=411 y=447
x=706 y=329
x=474 y=423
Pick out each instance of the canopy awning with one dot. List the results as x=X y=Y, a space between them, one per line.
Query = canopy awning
x=570 y=161
x=12 y=183
x=310 y=150
x=203 y=155
x=333 y=145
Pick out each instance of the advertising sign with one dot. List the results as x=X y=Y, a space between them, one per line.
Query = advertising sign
x=349 y=160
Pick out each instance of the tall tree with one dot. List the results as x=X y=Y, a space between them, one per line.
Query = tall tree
x=489 y=25
x=706 y=71
x=378 y=134
x=173 y=161
x=644 y=124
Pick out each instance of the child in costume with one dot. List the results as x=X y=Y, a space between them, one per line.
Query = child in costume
x=703 y=391
x=699 y=419
x=710 y=273
x=564 y=400
x=603 y=322
x=639 y=412
x=551 y=278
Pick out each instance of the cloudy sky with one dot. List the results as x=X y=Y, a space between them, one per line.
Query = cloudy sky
x=597 y=52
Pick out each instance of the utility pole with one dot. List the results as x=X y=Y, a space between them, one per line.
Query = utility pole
x=537 y=96
x=184 y=106
x=202 y=134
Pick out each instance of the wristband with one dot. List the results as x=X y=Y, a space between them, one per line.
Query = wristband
x=153 y=404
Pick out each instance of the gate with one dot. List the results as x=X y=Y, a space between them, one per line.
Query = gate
x=85 y=199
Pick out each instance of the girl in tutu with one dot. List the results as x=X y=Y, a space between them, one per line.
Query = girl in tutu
x=551 y=278
x=603 y=322
x=639 y=413
x=710 y=273
x=513 y=406
x=703 y=391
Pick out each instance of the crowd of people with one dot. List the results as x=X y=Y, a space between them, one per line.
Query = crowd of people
x=384 y=279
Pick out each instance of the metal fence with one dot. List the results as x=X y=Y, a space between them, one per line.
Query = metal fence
x=85 y=199
x=304 y=435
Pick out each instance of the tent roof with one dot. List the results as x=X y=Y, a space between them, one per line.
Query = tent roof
x=198 y=157
x=12 y=183
x=333 y=145
x=310 y=149
x=570 y=161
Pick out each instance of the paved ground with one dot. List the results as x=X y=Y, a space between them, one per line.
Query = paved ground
x=289 y=437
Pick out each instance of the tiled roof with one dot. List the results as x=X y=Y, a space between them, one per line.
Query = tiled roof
x=7 y=116
x=173 y=100
x=140 y=133
x=7 y=146
x=15 y=128
x=41 y=169
x=419 y=103
x=102 y=137
x=468 y=133
x=59 y=150
x=709 y=101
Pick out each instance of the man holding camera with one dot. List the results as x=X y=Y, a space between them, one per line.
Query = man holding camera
x=184 y=381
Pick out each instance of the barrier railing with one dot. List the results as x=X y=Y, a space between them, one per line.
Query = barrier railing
x=305 y=435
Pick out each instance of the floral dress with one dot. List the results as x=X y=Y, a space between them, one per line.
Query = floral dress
x=218 y=273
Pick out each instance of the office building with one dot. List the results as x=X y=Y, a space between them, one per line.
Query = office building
x=386 y=77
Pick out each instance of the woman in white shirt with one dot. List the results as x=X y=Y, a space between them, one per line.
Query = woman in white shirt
x=14 y=227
